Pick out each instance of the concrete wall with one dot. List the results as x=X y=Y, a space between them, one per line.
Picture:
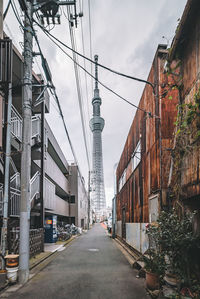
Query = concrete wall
x=79 y=210
x=119 y=229
x=49 y=199
x=82 y=203
x=61 y=207
x=54 y=172
x=136 y=237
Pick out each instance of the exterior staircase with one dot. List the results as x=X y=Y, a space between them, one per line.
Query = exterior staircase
x=15 y=192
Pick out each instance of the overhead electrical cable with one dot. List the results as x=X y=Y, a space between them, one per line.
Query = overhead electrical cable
x=90 y=35
x=106 y=87
x=55 y=95
x=102 y=84
x=84 y=63
x=78 y=86
x=100 y=65
x=7 y=8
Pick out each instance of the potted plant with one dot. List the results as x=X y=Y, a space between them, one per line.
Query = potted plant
x=155 y=260
x=180 y=246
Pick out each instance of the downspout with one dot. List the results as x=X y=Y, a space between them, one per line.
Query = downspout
x=158 y=112
x=6 y=178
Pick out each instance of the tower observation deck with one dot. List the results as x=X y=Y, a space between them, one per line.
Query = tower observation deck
x=97 y=176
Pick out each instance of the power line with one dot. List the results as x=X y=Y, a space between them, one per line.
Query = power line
x=102 y=84
x=83 y=47
x=51 y=38
x=90 y=35
x=84 y=63
x=78 y=86
x=7 y=8
x=54 y=91
x=90 y=60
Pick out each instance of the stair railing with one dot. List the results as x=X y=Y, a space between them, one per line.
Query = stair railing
x=35 y=185
x=16 y=124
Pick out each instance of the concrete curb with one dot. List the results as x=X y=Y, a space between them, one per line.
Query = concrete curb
x=131 y=256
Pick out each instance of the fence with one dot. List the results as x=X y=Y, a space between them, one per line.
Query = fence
x=36 y=241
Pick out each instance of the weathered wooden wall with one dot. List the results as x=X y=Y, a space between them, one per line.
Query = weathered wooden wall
x=146 y=178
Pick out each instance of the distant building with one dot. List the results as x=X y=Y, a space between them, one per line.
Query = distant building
x=78 y=198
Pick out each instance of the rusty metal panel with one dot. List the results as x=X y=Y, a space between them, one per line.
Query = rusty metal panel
x=189 y=66
x=145 y=179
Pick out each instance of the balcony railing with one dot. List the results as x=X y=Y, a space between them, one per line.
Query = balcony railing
x=36 y=127
x=35 y=185
x=15 y=196
x=16 y=124
x=15 y=181
x=15 y=193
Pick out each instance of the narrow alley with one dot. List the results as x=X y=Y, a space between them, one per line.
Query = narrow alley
x=91 y=267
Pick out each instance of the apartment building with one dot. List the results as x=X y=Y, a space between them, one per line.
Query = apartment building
x=79 y=198
x=49 y=184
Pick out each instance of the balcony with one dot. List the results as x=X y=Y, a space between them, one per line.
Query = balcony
x=16 y=127
x=15 y=193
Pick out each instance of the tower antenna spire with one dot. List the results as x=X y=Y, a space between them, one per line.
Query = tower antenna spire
x=96 y=71
x=96 y=126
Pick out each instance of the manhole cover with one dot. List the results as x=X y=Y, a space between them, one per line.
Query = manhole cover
x=93 y=249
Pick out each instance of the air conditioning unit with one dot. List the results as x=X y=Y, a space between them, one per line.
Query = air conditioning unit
x=5 y=60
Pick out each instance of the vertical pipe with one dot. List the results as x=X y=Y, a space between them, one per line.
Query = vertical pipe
x=89 y=200
x=1 y=19
x=26 y=148
x=42 y=177
x=6 y=176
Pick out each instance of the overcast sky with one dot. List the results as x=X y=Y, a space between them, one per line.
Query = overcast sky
x=125 y=35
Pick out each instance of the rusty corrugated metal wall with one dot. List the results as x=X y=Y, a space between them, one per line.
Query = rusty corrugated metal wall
x=188 y=49
x=145 y=179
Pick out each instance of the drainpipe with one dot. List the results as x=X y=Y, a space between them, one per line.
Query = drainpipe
x=159 y=121
x=6 y=177
x=89 y=200
x=7 y=156
x=42 y=176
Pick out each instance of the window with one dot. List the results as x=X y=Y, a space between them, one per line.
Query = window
x=153 y=208
x=136 y=156
x=72 y=199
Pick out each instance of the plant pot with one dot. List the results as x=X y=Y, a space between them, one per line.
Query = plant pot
x=12 y=274
x=171 y=279
x=152 y=281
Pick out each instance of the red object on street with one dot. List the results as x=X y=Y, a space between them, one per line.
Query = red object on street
x=103 y=225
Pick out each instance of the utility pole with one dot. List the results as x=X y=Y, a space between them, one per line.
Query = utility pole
x=26 y=146
x=8 y=143
x=42 y=175
x=1 y=19
x=89 y=200
x=49 y=11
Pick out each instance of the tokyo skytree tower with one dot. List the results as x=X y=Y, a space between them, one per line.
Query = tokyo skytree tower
x=97 y=177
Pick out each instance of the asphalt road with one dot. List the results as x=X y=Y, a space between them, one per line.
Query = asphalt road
x=91 y=267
